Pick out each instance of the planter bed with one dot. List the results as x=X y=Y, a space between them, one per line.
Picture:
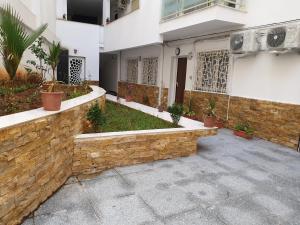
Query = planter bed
x=121 y=118
x=20 y=96
x=149 y=136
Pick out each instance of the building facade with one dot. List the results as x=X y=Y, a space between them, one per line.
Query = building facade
x=180 y=51
x=242 y=53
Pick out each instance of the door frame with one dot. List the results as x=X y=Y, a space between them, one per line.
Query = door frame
x=173 y=78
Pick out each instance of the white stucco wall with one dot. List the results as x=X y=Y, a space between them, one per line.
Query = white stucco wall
x=264 y=76
x=138 y=28
x=61 y=8
x=267 y=77
x=271 y=11
x=86 y=39
x=145 y=52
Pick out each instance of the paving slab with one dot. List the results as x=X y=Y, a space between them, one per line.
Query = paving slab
x=230 y=181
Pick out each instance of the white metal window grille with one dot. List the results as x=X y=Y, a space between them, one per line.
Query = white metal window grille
x=212 y=71
x=132 y=70
x=150 y=68
x=76 y=69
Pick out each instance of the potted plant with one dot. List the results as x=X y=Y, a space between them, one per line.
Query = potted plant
x=160 y=108
x=128 y=97
x=176 y=111
x=51 y=99
x=188 y=113
x=14 y=39
x=243 y=130
x=220 y=122
x=210 y=115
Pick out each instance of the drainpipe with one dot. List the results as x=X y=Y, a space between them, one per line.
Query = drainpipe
x=161 y=83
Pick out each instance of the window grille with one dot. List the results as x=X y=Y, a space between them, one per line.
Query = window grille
x=150 y=68
x=212 y=71
x=132 y=70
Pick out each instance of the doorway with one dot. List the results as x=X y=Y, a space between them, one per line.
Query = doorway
x=63 y=67
x=180 y=80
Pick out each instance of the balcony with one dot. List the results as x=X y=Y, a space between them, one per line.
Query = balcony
x=186 y=18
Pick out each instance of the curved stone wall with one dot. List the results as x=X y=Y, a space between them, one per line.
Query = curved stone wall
x=36 y=151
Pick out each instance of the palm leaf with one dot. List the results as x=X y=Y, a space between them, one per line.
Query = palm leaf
x=14 y=39
x=53 y=57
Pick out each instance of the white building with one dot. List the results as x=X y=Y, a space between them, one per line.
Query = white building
x=182 y=51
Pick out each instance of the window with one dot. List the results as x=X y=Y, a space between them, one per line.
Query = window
x=132 y=70
x=212 y=71
x=150 y=67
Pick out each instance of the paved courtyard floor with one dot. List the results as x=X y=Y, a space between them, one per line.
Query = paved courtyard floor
x=230 y=181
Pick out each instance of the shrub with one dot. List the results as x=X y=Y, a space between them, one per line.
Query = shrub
x=146 y=100
x=35 y=78
x=75 y=94
x=244 y=126
x=96 y=117
x=176 y=111
x=211 y=108
x=14 y=39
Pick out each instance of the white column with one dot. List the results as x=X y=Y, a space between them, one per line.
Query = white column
x=140 y=70
x=106 y=10
x=160 y=80
x=61 y=8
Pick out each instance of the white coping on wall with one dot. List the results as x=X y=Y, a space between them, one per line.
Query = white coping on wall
x=23 y=117
x=187 y=124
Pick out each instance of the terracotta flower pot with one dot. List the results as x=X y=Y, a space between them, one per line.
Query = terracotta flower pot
x=51 y=100
x=243 y=134
x=160 y=108
x=128 y=98
x=220 y=123
x=209 y=121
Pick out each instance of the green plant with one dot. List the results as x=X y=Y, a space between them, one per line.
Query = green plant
x=96 y=117
x=245 y=127
x=211 y=108
x=38 y=50
x=146 y=100
x=75 y=94
x=14 y=39
x=187 y=111
x=176 y=111
x=53 y=60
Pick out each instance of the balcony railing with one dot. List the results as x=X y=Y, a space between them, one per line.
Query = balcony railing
x=175 y=8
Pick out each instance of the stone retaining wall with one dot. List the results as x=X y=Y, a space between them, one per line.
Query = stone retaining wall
x=96 y=154
x=140 y=91
x=36 y=157
x=272 y=121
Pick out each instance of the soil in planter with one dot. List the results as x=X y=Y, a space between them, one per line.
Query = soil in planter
x=20 y=96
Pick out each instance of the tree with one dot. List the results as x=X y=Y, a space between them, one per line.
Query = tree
x=53 y=57
x=39 y=52
x=14 y=39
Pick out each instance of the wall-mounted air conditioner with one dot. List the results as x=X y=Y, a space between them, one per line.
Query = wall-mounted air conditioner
x=245 y=42
x=283 y=38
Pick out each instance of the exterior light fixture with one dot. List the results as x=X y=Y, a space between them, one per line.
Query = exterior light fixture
x=75 y=51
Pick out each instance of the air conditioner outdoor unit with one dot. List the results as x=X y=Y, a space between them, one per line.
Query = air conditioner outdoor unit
x=244 y=42
x=122 y=4
x=283 y=38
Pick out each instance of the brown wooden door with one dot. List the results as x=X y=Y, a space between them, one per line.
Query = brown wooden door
x=180 y=82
